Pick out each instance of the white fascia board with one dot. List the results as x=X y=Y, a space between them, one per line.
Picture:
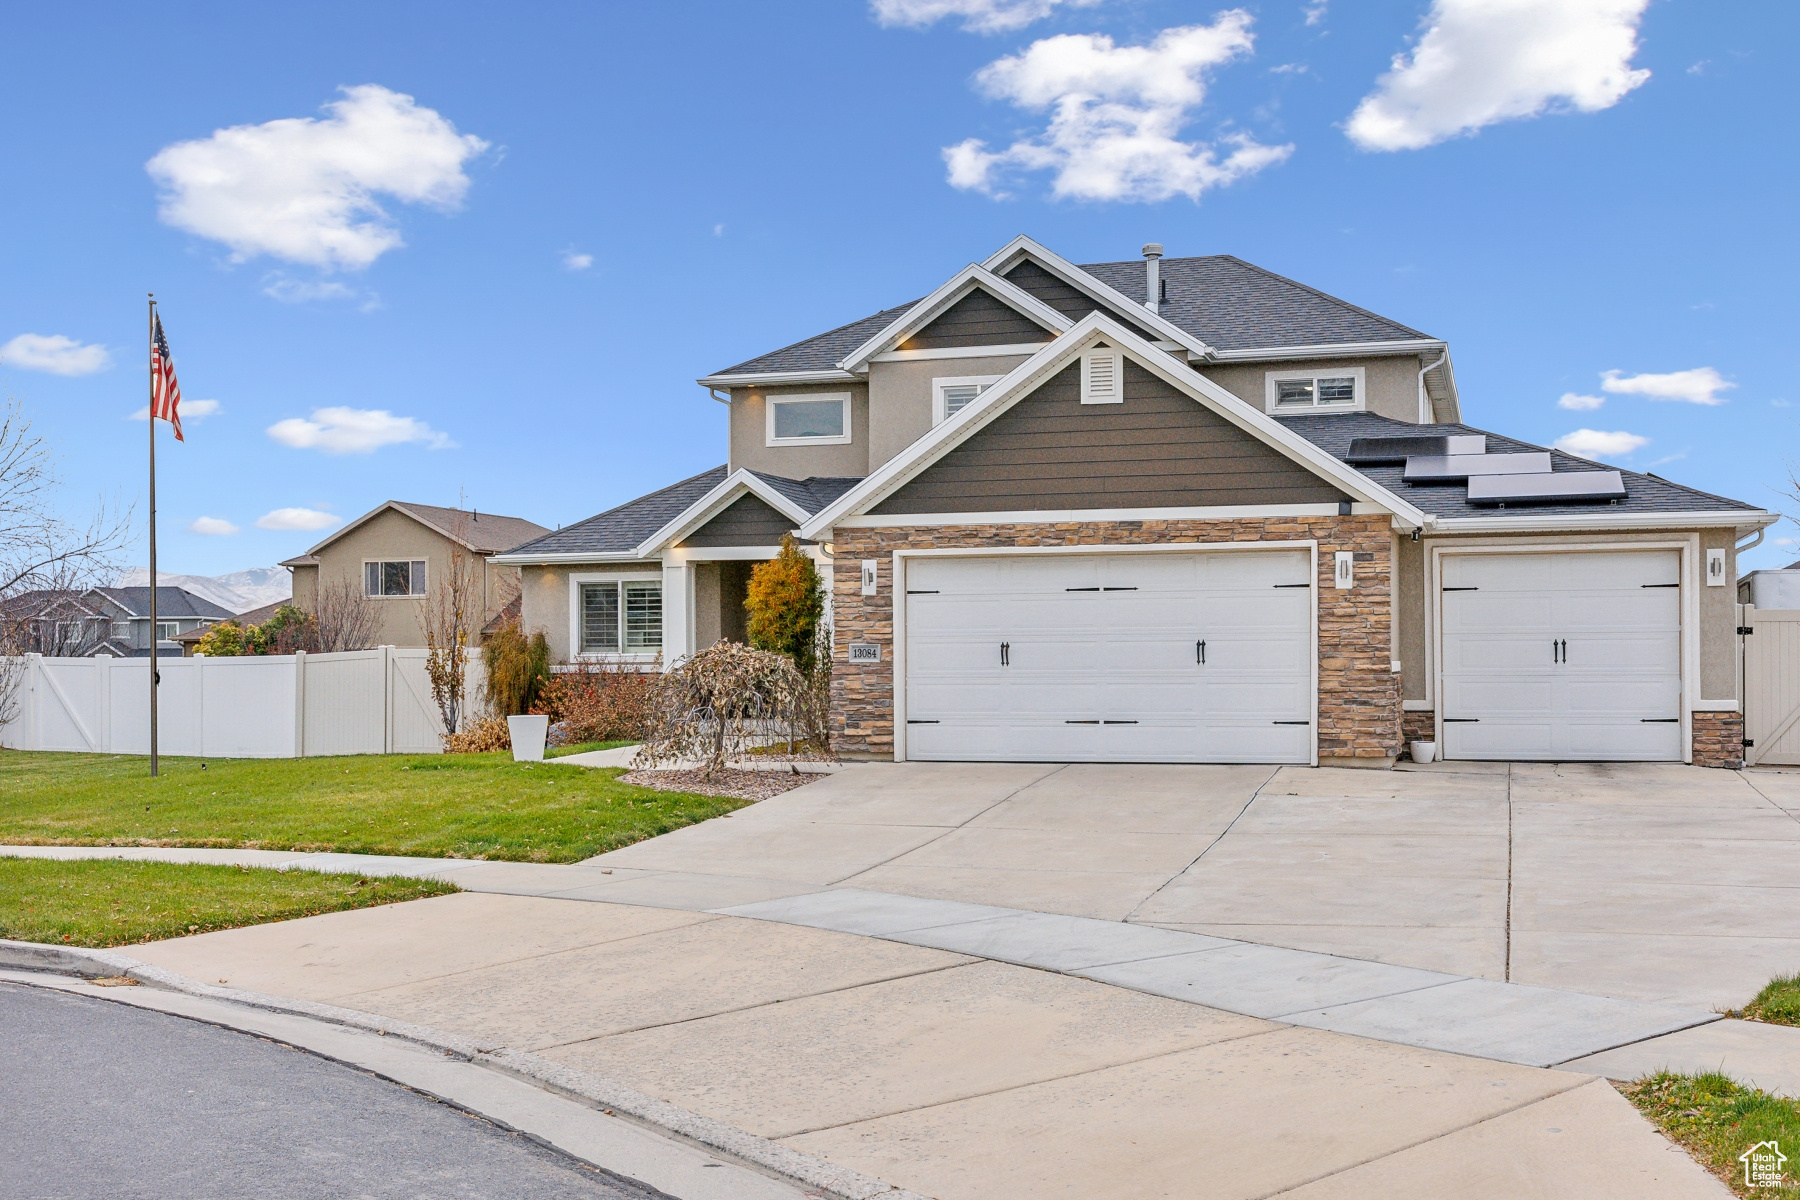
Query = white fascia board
x=1080 y=280
x=1006 y=351
x=559 y=557
x=1740 y=519
x=1333 y=350
x=1063 y=516
x=777 y=378
x=951 y=291
x=714 y=502
x=1054 y=357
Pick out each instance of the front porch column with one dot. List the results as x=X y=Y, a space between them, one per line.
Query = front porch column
x=678 y=610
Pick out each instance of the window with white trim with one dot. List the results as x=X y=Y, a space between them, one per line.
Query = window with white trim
x=1336 y=390
x=951 y=395
x=1103 y=377
x=621 y=618
x=166 y=630
x=809 y=419
x=394 y=577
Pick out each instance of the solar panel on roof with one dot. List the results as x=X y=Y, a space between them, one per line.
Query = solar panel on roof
x=1453 y=468
x=1368 y=451
x=1546 y=488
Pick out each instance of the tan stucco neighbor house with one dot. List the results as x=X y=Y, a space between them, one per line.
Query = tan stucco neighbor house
x=1181 y=510
x=398 y=552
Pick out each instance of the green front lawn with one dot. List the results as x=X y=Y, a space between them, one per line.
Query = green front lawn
x=442 y=805
x=109 y=902
x=1717 y=1119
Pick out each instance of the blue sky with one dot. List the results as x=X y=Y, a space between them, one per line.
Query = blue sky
x=583 y=208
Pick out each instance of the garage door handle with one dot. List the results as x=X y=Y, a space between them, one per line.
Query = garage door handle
x=1200 y=653
x=1006 y=654
x=1290 y=722
x=1462 y=720
x=1661 y=721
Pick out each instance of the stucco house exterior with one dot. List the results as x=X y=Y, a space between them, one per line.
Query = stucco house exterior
x=1174 y=510
x=397 y=553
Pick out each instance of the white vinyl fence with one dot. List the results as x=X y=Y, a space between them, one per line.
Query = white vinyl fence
x=262 y=706
x=1771 y=685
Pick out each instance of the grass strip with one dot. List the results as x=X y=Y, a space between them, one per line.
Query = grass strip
x=436 y=805
x=583 y=748
x=1716 y=1119
x=110 y=902
x=1778 y=1003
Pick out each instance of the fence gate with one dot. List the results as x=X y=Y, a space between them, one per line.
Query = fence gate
x=1771 y=685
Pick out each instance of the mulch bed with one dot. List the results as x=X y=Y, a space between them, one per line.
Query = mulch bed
x=742 y=785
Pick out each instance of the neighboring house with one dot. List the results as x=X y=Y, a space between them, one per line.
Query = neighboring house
x=400 y=554
x=256 y=616
x=1174 y=510
x=111 y=621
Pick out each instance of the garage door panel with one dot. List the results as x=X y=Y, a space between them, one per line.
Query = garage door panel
x=1562 y=655
x=1109 y=675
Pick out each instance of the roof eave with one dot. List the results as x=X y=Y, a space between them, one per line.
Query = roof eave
x=1333 y=350
x=715 y=501
x=942 y=298
x=557 y=558
x=755 y=378
x=1516 y=521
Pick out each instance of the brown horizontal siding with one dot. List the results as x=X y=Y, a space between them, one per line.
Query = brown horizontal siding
x=1158 y=449
x=1071 y=302
x=978 y=319
x=747 y=521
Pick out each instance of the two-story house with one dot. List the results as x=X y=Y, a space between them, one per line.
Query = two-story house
x=399 y=555
x=1174 y=510
x=109 y=622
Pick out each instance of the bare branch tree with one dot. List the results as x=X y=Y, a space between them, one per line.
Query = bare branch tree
x=38 y=548
x=344 y=618
x=452 y=619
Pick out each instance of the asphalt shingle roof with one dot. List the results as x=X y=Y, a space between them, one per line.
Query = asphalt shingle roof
x=171 y=602
x=1643 y=493
x=1224 y=301
x=624 y=528
x=485 y=533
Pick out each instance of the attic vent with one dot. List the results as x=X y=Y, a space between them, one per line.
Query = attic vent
x=1100 y=377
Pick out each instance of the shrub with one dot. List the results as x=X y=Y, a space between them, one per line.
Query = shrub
x=713 y=704
x=785 y=603
x=517 y=670
x=228 y=639
x=597 y=703
x=479 y=737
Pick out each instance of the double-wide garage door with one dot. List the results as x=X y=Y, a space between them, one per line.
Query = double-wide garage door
x=1147 y=657
x=1562 y=656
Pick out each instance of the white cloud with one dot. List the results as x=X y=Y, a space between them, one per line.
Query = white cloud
x=1480 y=62
x=718 y=231
x=213 y=527
x=1116 y=113
x=1579 y=402
x=55 y=354
x=572 y=261
x=296 y=518
x=1701 y=385
x=299 y=291
x=1595 y=443
x=342 y=430
x=1315 y=12
x=978 y=16
x=191 y=410
x=305 y=189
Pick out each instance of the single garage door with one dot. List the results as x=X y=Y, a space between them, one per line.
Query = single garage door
x=1562 y=656
x=1151 y=657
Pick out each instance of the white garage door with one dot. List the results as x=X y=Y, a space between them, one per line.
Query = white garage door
x=1155 y=657
x=1562 y=656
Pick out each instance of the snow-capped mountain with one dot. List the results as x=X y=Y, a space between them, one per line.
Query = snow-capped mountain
x=239 y=591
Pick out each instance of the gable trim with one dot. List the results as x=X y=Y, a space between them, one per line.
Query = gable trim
x=1021 y=247
x=1037 y=516
x=1025 y=378
x=733 y=487
x=935 y=305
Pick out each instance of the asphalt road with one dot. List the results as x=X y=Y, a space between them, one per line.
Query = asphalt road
x=105 y=1100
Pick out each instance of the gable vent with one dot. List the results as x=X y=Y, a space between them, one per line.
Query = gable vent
x=1100 y=377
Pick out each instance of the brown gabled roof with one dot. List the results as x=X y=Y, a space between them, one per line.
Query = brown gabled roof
x=483 y=533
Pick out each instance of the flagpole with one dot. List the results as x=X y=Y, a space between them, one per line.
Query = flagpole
x=153 y=639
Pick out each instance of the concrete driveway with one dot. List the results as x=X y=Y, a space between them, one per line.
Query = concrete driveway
x=1649 y=882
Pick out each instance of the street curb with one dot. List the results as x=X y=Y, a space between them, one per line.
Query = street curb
x=659 y=1114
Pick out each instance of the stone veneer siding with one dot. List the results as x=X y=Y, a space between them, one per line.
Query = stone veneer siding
x=1359 y=695
x=1418 y=727
x=1719 y=739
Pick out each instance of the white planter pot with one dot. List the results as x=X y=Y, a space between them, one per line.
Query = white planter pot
x=1422 y=752
x=528 y=735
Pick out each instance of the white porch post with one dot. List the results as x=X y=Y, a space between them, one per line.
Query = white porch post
x=678 y=609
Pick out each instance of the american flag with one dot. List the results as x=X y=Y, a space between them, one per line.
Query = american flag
x=165 y=393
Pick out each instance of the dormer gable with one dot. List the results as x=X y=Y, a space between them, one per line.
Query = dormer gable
x=980 y=318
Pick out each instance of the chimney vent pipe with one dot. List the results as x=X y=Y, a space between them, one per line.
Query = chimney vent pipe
x=1153 y=253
